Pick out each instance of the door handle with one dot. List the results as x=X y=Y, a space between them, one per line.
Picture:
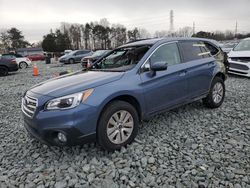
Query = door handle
x=182 y=73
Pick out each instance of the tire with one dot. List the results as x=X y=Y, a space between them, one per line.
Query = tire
x=71 y=61
x=216 y=94
x=122 y=133
x=23 y=65
x=3 y=71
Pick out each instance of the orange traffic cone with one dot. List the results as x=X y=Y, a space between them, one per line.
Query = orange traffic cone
x=35 y=70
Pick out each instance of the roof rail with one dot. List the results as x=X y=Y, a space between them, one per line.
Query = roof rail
x=138 y=40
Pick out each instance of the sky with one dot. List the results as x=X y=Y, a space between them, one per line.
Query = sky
x=35 y=18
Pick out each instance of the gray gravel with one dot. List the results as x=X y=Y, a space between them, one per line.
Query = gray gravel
x=191 y=146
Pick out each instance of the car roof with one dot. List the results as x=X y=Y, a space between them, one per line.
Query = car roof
x=166 y=39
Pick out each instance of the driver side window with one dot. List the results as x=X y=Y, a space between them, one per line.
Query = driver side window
x=168 y=53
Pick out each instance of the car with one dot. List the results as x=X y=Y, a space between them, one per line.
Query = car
x=36 y=57
x=130 y=84
x=74 y=56
x=7 y=65
x=23 y=62
x=239 y=59
x=227 y=47
x=89 y=60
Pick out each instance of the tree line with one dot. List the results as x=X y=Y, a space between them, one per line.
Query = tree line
x=93 y=35
x=221 y=36
x=99 y=35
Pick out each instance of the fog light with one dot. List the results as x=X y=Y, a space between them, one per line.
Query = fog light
x=61 y=137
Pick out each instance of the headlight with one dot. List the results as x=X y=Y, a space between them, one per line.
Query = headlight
x=69 y=101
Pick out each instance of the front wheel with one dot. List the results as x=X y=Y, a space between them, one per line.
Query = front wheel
x=118 y=125
x=216 y=94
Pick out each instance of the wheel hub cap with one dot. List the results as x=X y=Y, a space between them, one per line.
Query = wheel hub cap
x=218 y=92
x=120 y=127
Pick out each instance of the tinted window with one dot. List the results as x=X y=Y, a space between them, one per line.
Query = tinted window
x=18 y=55
x=8 y=56
x=193 y=50
x=81 y=52
x=213 y=50
x=168 y=53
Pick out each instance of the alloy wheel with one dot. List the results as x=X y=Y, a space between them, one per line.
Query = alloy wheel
x=120 y=127
x=217 y=92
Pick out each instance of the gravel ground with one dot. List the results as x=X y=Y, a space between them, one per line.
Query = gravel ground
x=191 y=146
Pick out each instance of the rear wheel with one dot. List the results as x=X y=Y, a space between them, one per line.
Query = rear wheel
x=23 y=65
x=118 y=125
x=3 y=71
x=216 y=94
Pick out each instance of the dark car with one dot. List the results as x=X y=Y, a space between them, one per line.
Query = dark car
x=130 y=84
x=7 y=65
x=74 y=56
x=89 y=60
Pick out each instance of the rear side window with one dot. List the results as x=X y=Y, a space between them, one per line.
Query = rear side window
x=192 y=50
x=213 y=50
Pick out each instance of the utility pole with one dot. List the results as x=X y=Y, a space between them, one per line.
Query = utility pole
x=193 y=28
x=236 y=29
x=171 y=28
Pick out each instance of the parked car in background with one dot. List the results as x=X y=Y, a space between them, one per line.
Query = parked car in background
x=88 y=60
x=239 y=58
x=7 y=65
x=23 y=62
x=36 y=57
x=130 y=84
x=74 y=56
x=227 y=47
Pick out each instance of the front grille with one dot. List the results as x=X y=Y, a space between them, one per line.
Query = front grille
x=29 y=105
x=241 y=59
x=238 y=66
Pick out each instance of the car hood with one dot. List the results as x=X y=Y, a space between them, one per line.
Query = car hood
x=76 y=82
x=239 y=54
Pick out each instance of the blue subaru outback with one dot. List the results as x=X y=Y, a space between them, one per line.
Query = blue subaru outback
x=131 y=83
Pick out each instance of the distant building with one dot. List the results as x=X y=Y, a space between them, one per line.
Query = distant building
x=29 y=51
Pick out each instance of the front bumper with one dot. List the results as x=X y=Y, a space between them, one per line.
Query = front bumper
x=239 y=68
x=77 y=124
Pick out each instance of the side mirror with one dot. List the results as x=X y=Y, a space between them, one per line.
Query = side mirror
x=159 y=66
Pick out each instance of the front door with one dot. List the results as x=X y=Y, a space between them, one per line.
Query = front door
x=164 y=89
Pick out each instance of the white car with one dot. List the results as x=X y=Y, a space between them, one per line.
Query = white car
x=23 y=62
x=239 y=59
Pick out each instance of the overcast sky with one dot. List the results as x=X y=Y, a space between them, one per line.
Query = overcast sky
x=36 y=17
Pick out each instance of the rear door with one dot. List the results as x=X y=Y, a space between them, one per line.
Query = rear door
x=200 y=65
x=167 y=88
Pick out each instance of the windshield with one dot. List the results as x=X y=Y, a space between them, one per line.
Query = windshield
x=99 y=53
x=122 y=59
x=243 y=46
